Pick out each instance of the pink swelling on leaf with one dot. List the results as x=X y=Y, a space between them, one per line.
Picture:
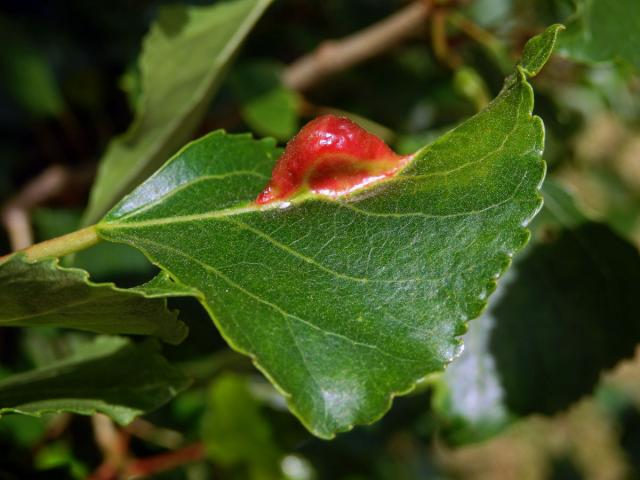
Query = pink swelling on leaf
x=330 y=156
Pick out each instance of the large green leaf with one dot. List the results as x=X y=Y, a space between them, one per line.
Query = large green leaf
x=45 y=294
x=344 y=304
x=566 y=312
x=183 y=59
x=604 y=30
x=109 y=375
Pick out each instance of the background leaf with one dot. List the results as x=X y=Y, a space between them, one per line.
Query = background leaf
x=45 y=294
x=27 y=75
x=344 y=304
x=235 y=431
x=268 y=107
x=183 y=59
x=564 y=313
x=110 y=375
x=602 y=31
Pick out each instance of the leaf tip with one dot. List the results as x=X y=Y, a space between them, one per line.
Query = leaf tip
x=538 y=50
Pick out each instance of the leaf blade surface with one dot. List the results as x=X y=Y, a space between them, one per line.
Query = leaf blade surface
x=345 y=304
x=45 y=294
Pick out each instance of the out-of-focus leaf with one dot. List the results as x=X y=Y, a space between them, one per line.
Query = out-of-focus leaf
x=26 y=73
x=59 y=454
x=21 y=430
x=268 y=107
x=565 y=313
x=45 y=294
x=235 y=431
x=109 y=375
x=471 y=86
x=345 y=304
x=604 y=30
x=184 y=57
x=489 y=12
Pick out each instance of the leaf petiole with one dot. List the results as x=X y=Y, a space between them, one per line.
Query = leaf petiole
x=60 y=246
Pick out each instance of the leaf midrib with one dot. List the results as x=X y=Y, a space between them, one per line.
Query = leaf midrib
x=252 y=207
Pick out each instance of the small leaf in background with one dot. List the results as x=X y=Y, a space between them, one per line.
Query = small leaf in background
x=21 y=430
x=109 y=375
x=27 y=75
x=184 y=57
x=267 y=106
x=565 y=313
x=236 y=432
x=45 y=294
x=471 y=86
x=57 y=455
x=604 y=30
x=345 y=304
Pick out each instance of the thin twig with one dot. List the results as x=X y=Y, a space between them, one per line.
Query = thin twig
x=484 y=38
x=114 y=445
x=50 y=183
x=15 y=214
x=439 y=40
x=336 y=55
x=145 y=467
x=164 y=437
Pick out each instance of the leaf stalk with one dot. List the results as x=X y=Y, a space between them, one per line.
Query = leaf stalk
x=60 y=246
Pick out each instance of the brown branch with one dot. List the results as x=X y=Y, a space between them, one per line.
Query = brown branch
x=151 y=433
x=15 y=214
x=484 y=38
x=439 y=40
x=336 y=55
x=114 y=445
x=145 y=467
x=50 y=183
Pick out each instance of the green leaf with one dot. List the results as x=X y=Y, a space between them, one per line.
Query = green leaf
x=268 y=107
x=109 y=375
x=344 y=304
x=538 y=50
x=163 y=286
x=184 y=57
x=27 y=75
x=603 y=31
x=565 y=313
x=234 y=429
x=45 y=294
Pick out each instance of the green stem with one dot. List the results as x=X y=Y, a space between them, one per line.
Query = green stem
x=61 y=246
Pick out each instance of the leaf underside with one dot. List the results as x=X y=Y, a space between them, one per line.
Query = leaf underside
x=344 y=304
x=109 y=375
x=44 y=294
